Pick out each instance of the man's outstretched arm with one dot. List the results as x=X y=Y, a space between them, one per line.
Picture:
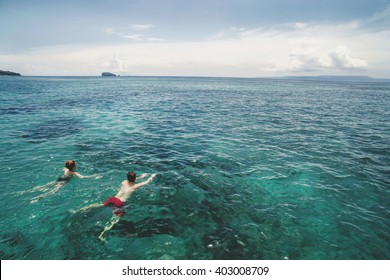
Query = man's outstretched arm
x=146 y=182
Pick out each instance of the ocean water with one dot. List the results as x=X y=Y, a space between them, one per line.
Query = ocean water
x=247 y=168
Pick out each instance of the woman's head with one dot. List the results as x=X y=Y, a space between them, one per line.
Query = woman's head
x=70 y=164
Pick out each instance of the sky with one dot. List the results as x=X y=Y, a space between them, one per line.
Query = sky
x=242 y=38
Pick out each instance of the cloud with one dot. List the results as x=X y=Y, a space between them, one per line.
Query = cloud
x=290 y=48
x=128 y=33
x=314 y=47
x=379 y=21
x=338 y=58
x=231 y=32
x=140 y=27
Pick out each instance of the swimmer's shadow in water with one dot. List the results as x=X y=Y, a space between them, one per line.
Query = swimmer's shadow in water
x=144 y=228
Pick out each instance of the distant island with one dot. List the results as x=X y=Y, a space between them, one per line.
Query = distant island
x=335 y=78
x=8 y=73
x=108 y=74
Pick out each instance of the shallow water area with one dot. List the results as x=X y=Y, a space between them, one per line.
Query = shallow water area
x=247 y=168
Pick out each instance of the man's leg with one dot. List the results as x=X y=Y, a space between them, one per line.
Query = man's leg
x=113 y=221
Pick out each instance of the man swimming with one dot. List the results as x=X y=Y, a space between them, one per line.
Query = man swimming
x=119 y=200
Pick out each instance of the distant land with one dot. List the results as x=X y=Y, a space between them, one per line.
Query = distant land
x=8 y=73
x=108 y=74
x=335 y=78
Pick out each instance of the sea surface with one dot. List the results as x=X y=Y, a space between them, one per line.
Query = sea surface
x=247 y=168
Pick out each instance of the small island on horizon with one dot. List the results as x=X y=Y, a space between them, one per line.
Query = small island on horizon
x=108 y=74
x=8 y=73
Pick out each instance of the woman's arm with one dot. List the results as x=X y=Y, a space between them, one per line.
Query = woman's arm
x=78 y=175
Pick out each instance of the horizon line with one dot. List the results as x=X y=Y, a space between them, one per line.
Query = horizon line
x=323 y=77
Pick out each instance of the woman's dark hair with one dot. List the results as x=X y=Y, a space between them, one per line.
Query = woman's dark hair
x=70 y=164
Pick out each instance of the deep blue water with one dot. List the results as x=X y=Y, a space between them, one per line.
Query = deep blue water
x=247 y=168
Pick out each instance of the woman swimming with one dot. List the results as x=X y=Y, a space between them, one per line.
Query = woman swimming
x=69 y=172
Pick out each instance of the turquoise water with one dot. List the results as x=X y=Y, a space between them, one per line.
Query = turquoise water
x=247 y=168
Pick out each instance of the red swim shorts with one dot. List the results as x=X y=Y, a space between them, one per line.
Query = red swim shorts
x=118 y=205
